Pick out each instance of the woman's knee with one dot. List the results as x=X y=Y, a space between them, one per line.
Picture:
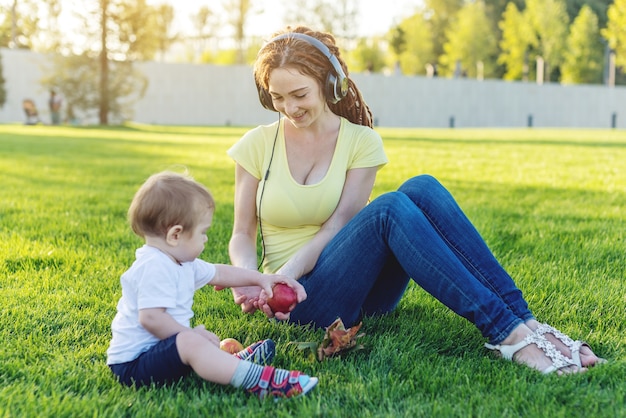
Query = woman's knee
x=390 y=202
x=423 y=182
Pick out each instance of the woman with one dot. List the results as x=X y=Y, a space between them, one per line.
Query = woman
x=308 y=178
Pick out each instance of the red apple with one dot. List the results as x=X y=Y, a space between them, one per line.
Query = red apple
x=231 y=345
x=284 y=298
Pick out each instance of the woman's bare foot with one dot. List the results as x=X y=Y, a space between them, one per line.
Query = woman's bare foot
x=587 y=356
x=533 y=356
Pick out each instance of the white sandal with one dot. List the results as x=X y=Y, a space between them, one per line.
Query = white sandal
x=559 y=361
x=574 y=346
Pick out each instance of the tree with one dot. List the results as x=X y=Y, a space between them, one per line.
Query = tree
x=417 y=50
x=205 y=23
x=599 y=8
x=310 y=13
x=471 y=41
x=126 y=32
x=20 y=25
x=346 y=13
x=76 y=76
x=439 y=14
x=49 y=35
x=584 y=53
x=3 y=92
x=615 y=32
x=338 y=17
x=550 y=22
x=495 y=10
x=238 y=12
x=397 y=43
x=104 y=100
x=163 y=18
x=139 y=30
x=517 y=37
x=367 y=56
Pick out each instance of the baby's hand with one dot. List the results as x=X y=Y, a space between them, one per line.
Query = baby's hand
x=201 y=330
x=247 y=297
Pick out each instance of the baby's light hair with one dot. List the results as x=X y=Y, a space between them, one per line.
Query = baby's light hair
x=167 y=199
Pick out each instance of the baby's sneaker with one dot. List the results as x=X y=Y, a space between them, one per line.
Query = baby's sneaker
x=261 y=352
x=280 y=383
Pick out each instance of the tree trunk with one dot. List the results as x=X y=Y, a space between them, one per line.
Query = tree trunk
x=104 y=66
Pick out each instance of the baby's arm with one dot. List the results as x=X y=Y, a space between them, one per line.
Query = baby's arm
x=231 y=276
x=159 y=323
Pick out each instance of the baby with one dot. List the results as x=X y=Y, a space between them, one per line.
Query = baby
x=152 y=338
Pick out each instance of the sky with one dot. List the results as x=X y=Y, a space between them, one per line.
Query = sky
x=376 y=16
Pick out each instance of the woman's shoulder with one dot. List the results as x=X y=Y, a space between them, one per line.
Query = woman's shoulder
x=359 y=133
x=262 y=131
x=355 y=128
x=256 y=139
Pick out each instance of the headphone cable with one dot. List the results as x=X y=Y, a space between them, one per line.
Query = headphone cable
x=267 y=174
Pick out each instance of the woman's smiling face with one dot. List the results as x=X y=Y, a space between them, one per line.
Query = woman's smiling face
x=297 y=96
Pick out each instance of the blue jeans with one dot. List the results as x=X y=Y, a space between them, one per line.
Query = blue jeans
x=417 y=232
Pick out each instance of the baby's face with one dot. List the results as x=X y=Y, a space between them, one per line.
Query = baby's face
x=193 y=242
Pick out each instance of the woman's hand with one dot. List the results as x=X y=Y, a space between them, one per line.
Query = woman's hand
x=265 y=295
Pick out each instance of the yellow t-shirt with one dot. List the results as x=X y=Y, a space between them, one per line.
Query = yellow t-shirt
x=292 y=213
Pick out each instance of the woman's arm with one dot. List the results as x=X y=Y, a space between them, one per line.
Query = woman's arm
x=242 y=245
x=356 y=192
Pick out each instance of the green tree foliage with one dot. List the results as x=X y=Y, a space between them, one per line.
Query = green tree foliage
x=3 y=91
x=417 y=50
x=495 y=10
x=549 y=21
x=204 y=22
x=163 y=17
x=440 y=14
x=397 y=40
x=599 y=8
x=238 y=12
x=77 y=77
x=52 y=39
x=615 y=32
x=338 y=17
x=139 y=30
x=19 y=25
x=102 y=77
x=584 y=53
x=31 y=24
x=517 y=36
x=471 y=41
x=367 y=56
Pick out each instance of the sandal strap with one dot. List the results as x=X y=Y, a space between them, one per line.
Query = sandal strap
x=547 y=329
x=508 y=351
x=266 y=376
x=574 y=346
x=559 y=361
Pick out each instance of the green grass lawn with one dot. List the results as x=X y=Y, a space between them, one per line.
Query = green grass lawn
x=550 y=203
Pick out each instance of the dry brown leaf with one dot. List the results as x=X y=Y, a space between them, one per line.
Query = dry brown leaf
x=337 y=339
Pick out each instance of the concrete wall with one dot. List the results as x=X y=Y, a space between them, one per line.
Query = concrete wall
x=187 y=94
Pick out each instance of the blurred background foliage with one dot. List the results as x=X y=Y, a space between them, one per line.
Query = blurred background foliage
x=564 y=41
